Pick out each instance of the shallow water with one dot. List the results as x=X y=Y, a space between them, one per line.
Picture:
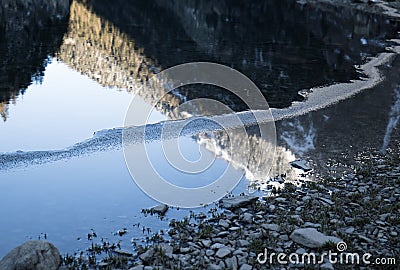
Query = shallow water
x=67 y=83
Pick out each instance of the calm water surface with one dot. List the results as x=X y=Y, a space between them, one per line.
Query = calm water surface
x=74 y=72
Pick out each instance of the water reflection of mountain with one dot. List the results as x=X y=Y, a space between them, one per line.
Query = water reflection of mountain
x=282 y=46
x=29 y=33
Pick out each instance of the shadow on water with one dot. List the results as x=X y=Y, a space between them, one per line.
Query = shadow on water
x=29 y=34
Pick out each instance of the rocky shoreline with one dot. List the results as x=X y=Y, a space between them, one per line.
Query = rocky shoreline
x=360 y=211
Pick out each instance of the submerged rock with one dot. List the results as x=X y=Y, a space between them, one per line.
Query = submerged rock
x=310 y=237
x=32 y=255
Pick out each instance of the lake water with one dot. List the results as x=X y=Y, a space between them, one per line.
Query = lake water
x=68 y=79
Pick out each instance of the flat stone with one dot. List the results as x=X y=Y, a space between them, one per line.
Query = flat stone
x=300 y=164
x=223 y=252
x=243 y=243
x=272 y=227
x=310 y=237
x=210 y=252
x=123 y=252
x=349 y=230
x=217 y=246
x=312 y=225
x=34 y=255
x=238 y=201
x=325 y=200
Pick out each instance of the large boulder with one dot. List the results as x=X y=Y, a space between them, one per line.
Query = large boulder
x=32 y=255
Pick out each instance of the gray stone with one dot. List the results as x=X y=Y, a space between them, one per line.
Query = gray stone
x=246 y=267
x=238 y=201
x=300 y=251
x=310 y=237
x=312 y=225
x=160 y=209
x=247 y=217
x=300 y=164
x=206 y=243
x=32 y=255
x=272 y=227
x=147 y=255
x=223 y=223
x=243 y=243
x=168 y=249
x=327 y=266
x=325 y=200
x=231 y=263
x=214 y=266
x=217 y=246
x=209 y=252
x=223 y=252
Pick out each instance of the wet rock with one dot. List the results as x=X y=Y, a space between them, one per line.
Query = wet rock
x=238 y=201
x=310 y=237
x=32 y=255
x=301 y=164
x=160 y=209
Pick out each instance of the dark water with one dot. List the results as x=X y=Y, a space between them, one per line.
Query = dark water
x=69 y=69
